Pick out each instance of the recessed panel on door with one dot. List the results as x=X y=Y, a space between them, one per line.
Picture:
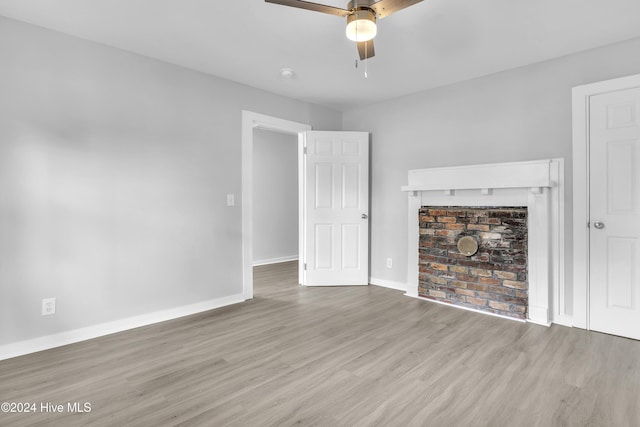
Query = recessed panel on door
x=323 y=147
x=351 y=186
x=324 y=246
x=622 y=161
x=622 y=273
x=622 y=115
x=324 y=185
x=351 y=147
x=350 y=247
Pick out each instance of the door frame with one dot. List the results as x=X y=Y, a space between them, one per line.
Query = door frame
x=251 y=121
x=580 y=98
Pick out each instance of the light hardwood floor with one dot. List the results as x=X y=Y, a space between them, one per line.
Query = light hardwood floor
x=356 y=356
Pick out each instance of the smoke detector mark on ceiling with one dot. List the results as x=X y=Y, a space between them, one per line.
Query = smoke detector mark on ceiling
x=287 y=73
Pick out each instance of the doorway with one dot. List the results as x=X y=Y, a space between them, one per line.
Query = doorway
x=250 y=122
x=607 y=206
x=275 y=197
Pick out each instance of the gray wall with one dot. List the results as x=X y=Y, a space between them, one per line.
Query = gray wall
x=114 y=170
x=275 y=196
x=522 y=114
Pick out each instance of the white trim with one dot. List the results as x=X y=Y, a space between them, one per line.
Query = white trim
x=69 y=337
x=565 y=320
x=539 y=185
x=559 y=286
x=482 y=177
x=275 y=260
x=580 y=98
x=302 y=215
x=399 y=286
x=446 y=304
x=250 y=121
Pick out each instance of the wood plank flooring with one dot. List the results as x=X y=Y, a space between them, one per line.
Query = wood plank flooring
x=356 y=356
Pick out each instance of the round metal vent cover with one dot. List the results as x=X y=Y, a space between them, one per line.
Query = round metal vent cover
x=468 y=246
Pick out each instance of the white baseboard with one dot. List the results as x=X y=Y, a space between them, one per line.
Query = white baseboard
x=399 y=286
x=563 y=320
x=539 y=315
x=21 y=348
x=275 y=260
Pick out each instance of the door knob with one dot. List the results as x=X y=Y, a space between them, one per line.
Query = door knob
x=599 y=225
x=364 y=216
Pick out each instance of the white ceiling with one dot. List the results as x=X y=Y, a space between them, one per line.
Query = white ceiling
x=433 y=43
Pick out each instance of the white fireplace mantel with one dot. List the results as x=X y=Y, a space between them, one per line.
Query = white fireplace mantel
x=538 y=185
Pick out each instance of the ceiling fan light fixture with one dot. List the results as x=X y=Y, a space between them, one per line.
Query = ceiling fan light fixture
x=361 y=25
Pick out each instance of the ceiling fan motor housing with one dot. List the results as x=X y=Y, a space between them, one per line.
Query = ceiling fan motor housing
x=356 y=4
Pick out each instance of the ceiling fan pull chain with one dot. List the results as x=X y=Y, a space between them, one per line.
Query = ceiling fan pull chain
x=366 y=43
x=356 y=38
x=366 y=63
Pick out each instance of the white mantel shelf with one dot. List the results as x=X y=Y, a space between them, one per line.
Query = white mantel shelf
x=533 y=174
x=538 y=185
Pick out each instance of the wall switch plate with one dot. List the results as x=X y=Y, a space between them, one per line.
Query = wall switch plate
x=231 y=200
x=389 y=263
x=48 y=306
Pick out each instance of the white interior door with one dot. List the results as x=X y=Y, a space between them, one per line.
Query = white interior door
x=336 y=209
x=614 y=169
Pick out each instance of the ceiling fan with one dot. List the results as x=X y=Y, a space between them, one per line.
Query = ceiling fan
x=361 y=17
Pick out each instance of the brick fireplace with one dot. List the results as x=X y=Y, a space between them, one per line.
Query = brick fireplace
x=475 y=257
x=514 y=212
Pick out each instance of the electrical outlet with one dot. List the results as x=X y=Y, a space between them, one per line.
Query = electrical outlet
x=231 y=200
x=48 y=306
x=389 y=263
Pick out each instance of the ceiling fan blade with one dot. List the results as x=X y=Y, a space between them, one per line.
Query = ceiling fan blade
x=384 y=8
x=366 y=50
x=312 y=6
